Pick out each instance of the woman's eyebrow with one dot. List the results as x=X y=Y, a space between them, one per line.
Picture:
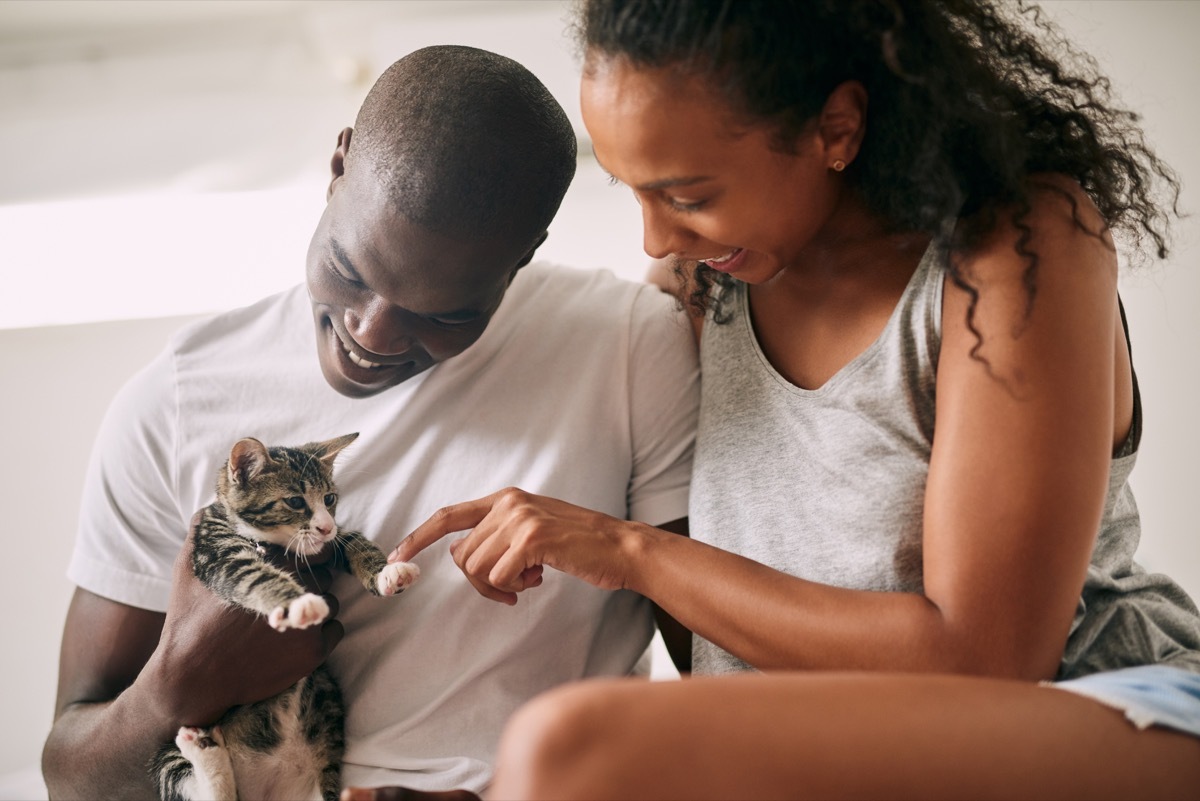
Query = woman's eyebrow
x=670 y=183
x=663 y=183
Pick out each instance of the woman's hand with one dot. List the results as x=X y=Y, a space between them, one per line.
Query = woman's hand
x=514 y=534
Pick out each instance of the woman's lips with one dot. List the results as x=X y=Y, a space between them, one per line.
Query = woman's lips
x=727 y=263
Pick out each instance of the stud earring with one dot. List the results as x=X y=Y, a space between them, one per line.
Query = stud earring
x=838 y=165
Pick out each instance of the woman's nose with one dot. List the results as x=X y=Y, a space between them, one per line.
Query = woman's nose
x=380 y=327
x=661 y=236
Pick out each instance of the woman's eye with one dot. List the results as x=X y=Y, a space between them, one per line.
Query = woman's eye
x=295 y=502
x=685 y=205
x=330 y=500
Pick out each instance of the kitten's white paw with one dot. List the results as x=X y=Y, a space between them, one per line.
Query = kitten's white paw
x=192 y=740
x=307 y=610
x=397 y=576
x=212 y=771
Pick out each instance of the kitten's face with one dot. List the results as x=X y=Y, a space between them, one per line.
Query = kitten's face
x=284 y=496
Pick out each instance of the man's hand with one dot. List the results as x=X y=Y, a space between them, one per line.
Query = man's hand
x=404 y=794
x=129 y=678
x=212 y=656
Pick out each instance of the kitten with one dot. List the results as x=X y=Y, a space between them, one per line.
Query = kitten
x=289 y=746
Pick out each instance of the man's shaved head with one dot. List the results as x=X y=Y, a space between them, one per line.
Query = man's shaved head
x=468 y=143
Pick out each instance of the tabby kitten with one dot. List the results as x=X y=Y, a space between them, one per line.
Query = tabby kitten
x=289 y=746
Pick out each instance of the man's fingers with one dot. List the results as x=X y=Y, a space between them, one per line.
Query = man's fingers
x=183 y=562
x=332 y=632
x=315 y=578
x=404 y=794
x=447 y=520
x=332 y=602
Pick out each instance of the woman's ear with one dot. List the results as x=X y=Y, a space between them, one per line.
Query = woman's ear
x=337 y=164
x=843 y=123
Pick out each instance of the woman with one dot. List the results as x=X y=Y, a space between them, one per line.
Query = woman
x=909 y=504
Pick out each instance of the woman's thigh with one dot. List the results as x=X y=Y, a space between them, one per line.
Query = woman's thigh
x=834 y=736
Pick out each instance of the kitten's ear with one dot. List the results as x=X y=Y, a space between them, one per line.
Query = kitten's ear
x=328 y=450
x=247 y=460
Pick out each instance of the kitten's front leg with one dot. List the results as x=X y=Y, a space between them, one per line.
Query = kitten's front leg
x=232 y=568
x=212 y=770
x=370 y=566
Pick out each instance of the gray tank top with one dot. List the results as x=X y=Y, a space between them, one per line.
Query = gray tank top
x=829 y=484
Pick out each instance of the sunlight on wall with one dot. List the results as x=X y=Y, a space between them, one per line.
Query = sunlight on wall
x=153 y=255
x=168 y=254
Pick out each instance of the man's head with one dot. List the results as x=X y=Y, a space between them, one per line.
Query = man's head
x=457 y=163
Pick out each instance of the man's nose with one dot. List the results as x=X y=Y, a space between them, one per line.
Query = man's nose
x=380 y=327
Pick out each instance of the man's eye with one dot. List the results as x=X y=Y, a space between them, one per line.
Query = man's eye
x=451 y=323
x=295 y=502
x=341 y=276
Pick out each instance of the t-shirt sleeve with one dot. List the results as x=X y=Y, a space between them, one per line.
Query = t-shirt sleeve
x=664 y=387
x=130 y=524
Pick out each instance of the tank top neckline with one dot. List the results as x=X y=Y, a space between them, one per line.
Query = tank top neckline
x=846 y=371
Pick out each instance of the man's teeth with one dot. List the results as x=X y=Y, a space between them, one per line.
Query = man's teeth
x=360 y=361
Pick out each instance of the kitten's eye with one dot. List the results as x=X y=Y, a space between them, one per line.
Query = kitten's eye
x=295 y=502
x=330 y=500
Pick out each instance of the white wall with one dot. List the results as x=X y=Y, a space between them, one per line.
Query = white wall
x=313 y=62
x=1149 y=51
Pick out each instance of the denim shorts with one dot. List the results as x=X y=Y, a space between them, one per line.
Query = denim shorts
x=1149 y=695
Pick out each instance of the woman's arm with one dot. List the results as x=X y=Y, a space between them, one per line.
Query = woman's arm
x=1015 y=494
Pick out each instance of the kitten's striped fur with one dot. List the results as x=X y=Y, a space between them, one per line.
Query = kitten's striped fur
x=290 y=746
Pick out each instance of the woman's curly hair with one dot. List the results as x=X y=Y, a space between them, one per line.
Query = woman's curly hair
x=967 y=101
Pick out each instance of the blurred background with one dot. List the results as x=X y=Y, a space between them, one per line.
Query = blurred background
x=165 y=160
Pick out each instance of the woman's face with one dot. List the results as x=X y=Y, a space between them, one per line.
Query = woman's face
x=711 y=189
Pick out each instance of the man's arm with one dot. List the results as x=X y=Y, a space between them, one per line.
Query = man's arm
x=105 y=728
x=129 y=678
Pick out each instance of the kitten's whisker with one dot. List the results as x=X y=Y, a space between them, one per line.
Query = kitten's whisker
x=356 y=544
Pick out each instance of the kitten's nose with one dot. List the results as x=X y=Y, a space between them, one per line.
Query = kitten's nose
x=322 y=523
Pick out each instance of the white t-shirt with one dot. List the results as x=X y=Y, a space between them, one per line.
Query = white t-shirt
x=583 y=387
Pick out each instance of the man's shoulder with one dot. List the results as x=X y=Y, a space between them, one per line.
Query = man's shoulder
x=273 y=320
x=597 y=295
x=549 y=276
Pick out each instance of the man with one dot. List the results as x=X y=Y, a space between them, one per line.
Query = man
x=465 y=369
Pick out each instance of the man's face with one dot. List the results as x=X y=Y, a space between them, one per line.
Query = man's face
x=391 y=298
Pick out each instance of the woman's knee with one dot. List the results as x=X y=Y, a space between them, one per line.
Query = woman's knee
x=562 y=740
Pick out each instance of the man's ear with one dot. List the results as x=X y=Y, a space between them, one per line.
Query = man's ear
x=337 y=165
x=528 y=257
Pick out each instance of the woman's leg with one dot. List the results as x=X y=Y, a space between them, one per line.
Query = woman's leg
x=833 y=736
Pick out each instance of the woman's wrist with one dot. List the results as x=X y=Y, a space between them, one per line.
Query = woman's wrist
x=641 y=544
